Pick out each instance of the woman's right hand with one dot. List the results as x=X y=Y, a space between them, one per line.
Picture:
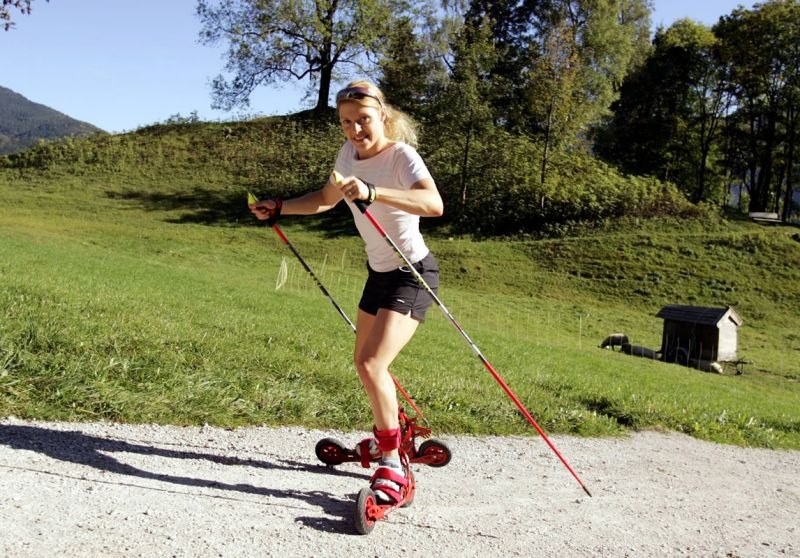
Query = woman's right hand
x=267 y=210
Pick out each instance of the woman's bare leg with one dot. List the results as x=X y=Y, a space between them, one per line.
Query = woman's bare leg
x=379 y=339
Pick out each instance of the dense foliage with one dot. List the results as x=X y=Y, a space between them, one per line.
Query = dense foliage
x=288 y=156
x=714 y=107
x=519 y=103
x=705 y=108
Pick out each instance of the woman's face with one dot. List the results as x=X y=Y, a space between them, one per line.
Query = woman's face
x=363 y=127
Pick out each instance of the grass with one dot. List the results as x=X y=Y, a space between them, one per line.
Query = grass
x=151 y=298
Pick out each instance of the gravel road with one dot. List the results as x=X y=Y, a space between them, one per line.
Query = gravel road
x=84 y=490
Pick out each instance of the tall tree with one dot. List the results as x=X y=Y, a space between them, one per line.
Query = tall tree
x=790 y=28
x=553 y=90
x=599 y=39
x=461 y=112
x=283 y=40
x=411 y=70
x=760 y=48
x=792 y=112
x=510 y=32
x=594 y=41
x=667 y=120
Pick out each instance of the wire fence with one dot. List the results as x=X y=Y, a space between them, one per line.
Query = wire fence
x=520 y=319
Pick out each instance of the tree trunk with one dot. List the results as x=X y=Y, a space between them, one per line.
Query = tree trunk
x=776 y=203
x=705 y=146
x=767 y=159
x=754 y=204
x=324 y=89
x=708 y=131
x=546 y=147
x=464 y=163
x=791 y=140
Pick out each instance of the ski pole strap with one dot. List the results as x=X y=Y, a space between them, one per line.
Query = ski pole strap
x=276 y=212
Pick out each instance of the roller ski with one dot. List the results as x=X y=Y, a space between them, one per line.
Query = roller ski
x=392 y=484
x=378 y=500
x=431 y=452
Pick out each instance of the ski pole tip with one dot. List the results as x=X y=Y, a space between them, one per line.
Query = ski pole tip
x=586 y=490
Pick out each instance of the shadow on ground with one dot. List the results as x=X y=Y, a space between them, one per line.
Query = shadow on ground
x=205 y=206
x=92 y=451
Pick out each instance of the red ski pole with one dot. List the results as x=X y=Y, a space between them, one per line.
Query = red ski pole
x=363 y=208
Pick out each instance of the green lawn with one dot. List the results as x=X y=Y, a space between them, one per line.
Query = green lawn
x=152 y=299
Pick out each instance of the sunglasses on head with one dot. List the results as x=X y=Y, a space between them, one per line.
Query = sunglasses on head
x=356 y=94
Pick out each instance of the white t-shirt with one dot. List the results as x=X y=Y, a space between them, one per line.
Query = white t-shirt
x=398 y=166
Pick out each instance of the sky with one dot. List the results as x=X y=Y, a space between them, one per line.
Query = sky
x=124 y=64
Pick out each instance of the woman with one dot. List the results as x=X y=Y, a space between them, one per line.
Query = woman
x=379 y=165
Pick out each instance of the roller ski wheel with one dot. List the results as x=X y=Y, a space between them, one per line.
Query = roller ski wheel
x=433 y=453
x=331 y=452
x=369 y=510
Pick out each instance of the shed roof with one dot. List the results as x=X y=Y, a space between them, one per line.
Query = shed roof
x=698 y=314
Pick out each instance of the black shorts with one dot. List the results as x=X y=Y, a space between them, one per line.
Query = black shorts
x=399 y=289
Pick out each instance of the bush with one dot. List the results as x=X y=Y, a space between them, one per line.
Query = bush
x=498 y=189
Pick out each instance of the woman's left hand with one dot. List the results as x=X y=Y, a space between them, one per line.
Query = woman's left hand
x=353 y=189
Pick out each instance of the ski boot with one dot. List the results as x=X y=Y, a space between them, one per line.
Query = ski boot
x=389 y=489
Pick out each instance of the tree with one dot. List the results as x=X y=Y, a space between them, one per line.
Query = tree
x=553 y=88
x=23 y=6
x=282 y=40
x=792 y=172
x=789 y=25
x=410 y=70
x=760 y=47
x=667 y=119
x=461 y=113
x=510 y=33
x=601 y=36
x=594 y=42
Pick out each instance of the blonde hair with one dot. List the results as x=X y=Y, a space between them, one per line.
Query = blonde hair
x=398 y=125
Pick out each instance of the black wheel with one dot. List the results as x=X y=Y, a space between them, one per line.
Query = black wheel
x=330 y=451
x=363 y=520
x=435 y=452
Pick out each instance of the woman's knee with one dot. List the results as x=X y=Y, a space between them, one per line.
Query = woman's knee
x=369 y=369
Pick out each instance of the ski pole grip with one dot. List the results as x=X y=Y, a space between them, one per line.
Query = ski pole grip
x=361 y=205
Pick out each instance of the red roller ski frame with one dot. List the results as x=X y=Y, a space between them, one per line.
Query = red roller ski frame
x=431 y=452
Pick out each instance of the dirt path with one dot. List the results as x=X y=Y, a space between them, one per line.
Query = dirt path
x=72 y=490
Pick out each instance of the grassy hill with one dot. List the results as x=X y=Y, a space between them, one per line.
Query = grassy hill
x=134 y=286
x=23 y=123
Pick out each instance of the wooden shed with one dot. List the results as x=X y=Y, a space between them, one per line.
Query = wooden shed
x=696 y=333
